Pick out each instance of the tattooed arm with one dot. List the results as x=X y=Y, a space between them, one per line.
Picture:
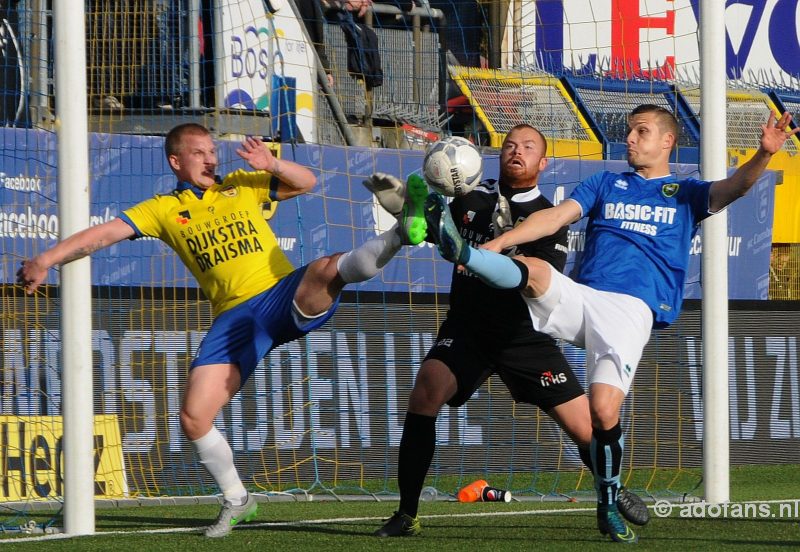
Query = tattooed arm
x=34 y=271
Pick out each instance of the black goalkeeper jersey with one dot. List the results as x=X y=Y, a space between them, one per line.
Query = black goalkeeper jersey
x=500 y=312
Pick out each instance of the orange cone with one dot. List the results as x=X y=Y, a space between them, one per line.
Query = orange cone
x=472 y=492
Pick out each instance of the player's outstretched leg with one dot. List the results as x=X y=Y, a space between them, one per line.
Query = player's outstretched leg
x=632 y=507
x=400 y=525
x=231 y=515
x=443 y=230
x=404 y=201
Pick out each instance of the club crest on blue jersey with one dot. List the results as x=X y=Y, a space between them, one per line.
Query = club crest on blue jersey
x=670 y=189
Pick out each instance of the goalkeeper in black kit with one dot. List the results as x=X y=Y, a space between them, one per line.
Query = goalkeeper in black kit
x=488 y=331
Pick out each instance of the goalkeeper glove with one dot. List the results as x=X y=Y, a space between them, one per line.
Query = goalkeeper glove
x=501 y=218
x=502 y=222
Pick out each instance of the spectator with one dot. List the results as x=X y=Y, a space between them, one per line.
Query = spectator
x=363 y=51
x=313 y=16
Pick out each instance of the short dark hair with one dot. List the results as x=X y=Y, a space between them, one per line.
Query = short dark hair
x=666 y=120
x=522 y=126
x=172 y=142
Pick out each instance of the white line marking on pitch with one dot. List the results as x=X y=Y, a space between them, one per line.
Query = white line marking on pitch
x=60 y=536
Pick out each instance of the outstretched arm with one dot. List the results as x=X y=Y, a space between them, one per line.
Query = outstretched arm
x=295 y=179
x=773 y=135
x=34 y=271
x=538 y=225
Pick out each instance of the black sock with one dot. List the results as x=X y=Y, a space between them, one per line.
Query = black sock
x=606 y=453
x=414 y=459
x=586 y=458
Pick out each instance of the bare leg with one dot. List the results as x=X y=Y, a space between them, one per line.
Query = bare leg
x=208 y=389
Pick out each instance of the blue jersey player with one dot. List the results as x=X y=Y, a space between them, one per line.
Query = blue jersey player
x=632 y=273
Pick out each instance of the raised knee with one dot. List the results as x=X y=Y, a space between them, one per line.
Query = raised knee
x=604 y=416
x=538 y=275
x=538 y=271
x=323 y=269
x=319 y=287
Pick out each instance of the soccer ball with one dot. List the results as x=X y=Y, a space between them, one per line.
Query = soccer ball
x=453 y=166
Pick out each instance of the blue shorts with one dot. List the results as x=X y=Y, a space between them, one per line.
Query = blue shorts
x=244 y=334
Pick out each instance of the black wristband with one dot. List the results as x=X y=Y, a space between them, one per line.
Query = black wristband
x=523 y=268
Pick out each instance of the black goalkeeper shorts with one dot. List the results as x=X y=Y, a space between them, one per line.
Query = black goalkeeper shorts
x=531 y=366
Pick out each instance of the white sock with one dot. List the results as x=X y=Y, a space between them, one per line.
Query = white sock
x=216 y=455
x=364 y=262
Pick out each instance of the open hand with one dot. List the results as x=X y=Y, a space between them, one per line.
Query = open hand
x=358 y=7
x=257 y=154
x=775 y=133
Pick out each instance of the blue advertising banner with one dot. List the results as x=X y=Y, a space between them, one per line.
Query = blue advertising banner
x=337 y=216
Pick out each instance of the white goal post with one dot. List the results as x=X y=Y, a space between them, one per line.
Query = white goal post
x=76 y=278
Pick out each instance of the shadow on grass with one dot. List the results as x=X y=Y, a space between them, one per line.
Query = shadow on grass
x=441 y=532
x=112 y=522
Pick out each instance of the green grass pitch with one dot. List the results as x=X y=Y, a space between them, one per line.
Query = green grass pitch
x=550 y=525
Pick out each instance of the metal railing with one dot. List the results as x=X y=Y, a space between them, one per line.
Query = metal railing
x=413 y=62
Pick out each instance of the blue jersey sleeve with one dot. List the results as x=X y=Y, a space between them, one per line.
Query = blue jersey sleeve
x=588 y=193
x=697 y=195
